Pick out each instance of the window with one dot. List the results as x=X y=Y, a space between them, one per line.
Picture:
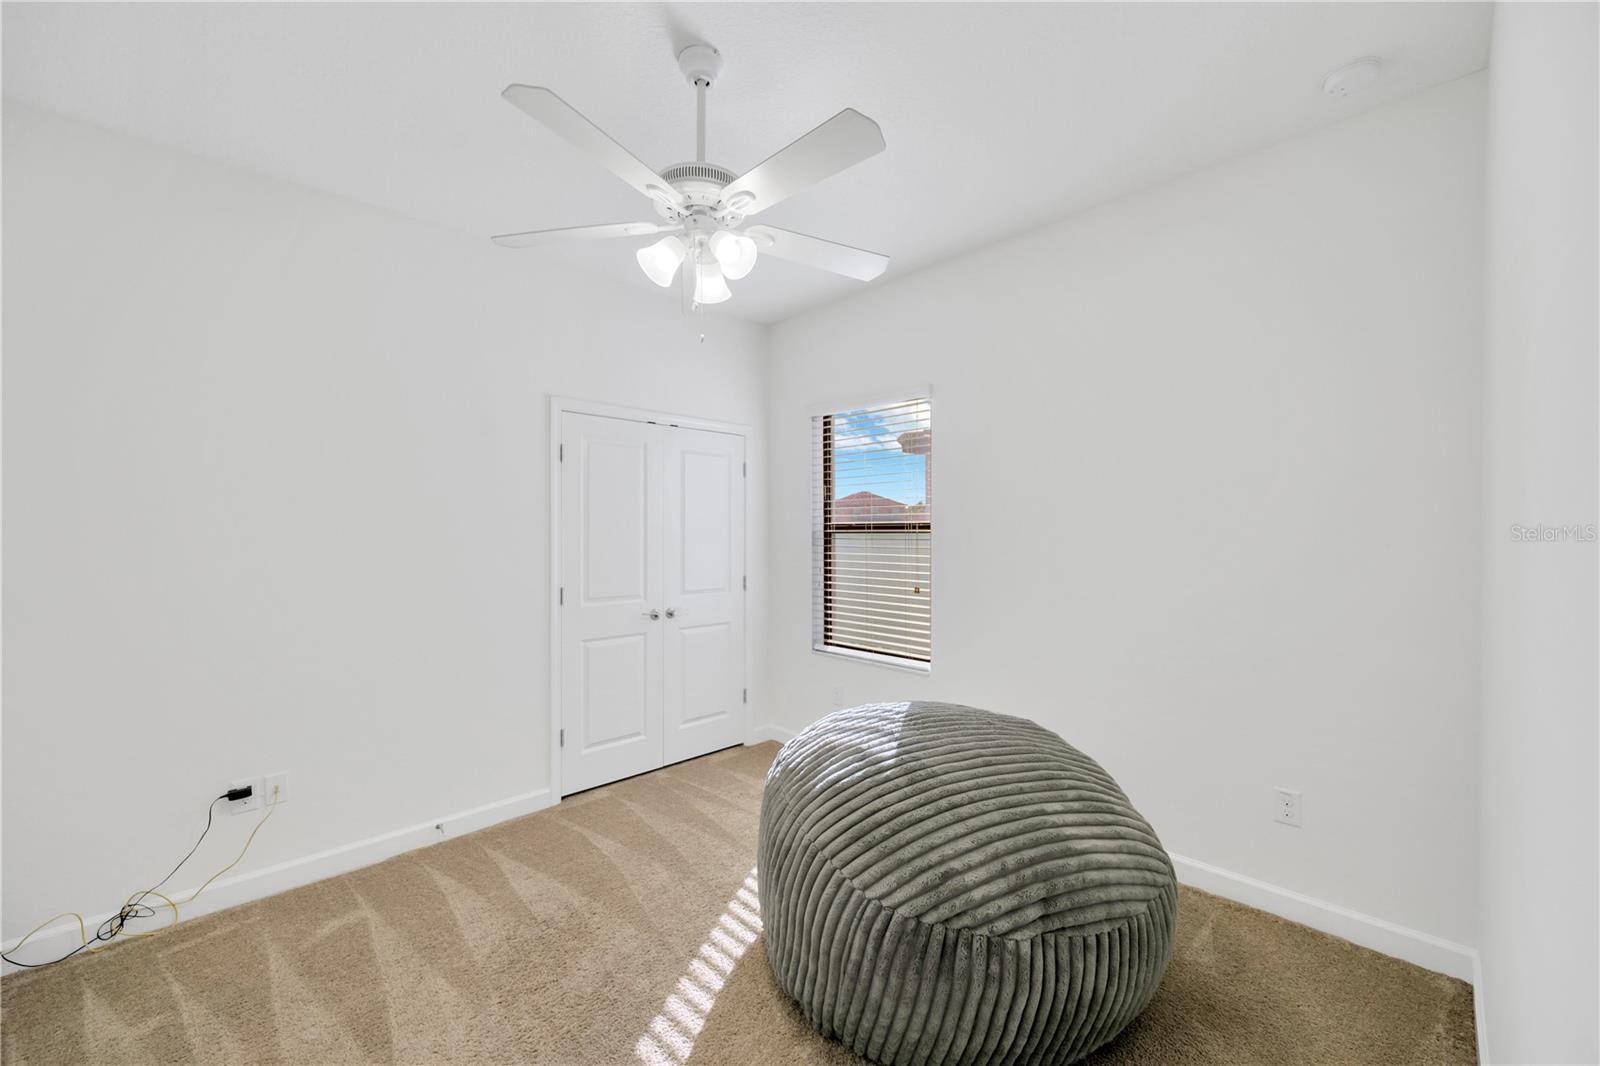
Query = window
x=872 y=472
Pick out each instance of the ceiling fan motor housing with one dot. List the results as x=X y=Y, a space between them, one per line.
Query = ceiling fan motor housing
x=698 y=173
x=701 y=185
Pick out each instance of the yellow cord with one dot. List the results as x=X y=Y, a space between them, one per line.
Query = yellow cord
x=83 y=933
x=247 y=841
x=125 y=931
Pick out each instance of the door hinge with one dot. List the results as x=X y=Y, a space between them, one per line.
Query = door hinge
x=561 y=453
x=745 y=582
x=561 y=596
x=562 y=741
x=746 y=698
x=745 y=469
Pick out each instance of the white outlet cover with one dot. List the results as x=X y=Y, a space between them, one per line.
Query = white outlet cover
x=279 y=781
x=1286 y=806
x=253 y=803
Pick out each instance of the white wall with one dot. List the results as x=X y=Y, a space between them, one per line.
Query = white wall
x=1540 y=885
x=276 y=484
x=1208 y=499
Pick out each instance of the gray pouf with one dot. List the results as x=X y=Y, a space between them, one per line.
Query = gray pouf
x=940 y=884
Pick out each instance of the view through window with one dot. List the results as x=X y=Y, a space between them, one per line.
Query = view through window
x=873 y=530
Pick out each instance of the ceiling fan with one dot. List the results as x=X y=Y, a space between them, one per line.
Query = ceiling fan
x=703 y=206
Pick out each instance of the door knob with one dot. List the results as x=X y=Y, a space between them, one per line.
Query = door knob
x=672 y=612
x=652 y=615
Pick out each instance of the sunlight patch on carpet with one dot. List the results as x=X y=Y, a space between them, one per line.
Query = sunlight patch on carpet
x=670 y=1036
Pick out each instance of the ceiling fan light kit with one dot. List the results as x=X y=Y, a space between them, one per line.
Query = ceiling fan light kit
x=703 y=206
x=710 y=287
x=735 y=253
x=660 y=260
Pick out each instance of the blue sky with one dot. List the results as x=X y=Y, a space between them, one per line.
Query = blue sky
x=881 y=467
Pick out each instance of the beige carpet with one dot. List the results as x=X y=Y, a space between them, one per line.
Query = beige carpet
x=620 y=927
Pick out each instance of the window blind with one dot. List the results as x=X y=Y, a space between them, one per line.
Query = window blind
x=872 y=530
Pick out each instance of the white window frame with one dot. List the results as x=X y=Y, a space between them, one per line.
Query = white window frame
x=817 y=410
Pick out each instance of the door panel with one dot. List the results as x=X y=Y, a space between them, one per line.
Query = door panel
x=615 y=704
x=707 y=661
x=611 y=576
x=706 y=519
x=703 y=579
x=616 y=533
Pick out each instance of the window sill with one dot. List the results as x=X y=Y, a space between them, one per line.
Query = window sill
x=892 y=662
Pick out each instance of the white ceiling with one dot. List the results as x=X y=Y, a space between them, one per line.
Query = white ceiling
x=997 y=116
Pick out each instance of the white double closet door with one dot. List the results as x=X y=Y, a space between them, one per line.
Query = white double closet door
x=652 y=596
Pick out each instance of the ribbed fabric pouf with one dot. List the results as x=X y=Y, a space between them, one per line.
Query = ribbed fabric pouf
x=940 y=884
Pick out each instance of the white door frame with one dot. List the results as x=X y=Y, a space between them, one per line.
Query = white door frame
x=562 y=405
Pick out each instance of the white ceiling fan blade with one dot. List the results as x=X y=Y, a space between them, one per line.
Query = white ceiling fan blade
x=579 y=233
x=816 y=252
x=565 y=122
x=839 y=143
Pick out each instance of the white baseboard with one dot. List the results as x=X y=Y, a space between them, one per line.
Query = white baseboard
x=258 y=884
x=1414 y=946
x=1479 y=1015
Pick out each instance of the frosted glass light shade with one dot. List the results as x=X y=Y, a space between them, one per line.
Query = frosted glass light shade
x=735 y=252
x=660 y=260
x=709 y=286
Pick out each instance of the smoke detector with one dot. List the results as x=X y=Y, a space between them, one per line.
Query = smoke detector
x=1353 y=77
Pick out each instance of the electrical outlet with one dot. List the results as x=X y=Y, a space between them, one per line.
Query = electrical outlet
x=1286 y=806
x=280 y=782
x=251 y=802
